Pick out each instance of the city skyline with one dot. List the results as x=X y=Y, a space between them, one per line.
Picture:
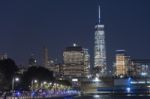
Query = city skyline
x=27 y=26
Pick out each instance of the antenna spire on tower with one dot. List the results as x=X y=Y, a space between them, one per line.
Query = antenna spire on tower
x=99 y=12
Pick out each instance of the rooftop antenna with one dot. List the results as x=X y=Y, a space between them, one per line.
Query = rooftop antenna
x=99 y=12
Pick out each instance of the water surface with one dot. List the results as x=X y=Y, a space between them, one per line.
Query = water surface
x=105 y=97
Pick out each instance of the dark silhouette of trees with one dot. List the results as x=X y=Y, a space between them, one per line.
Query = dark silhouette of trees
x=8 y=68
x=64 y=82
x=36 y=72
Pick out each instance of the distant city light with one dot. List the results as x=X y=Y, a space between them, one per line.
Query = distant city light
x=143 y=74
x=96 y=79
x=17 y=79
x=74 y=79
x=128 y=89
x=18 y=93
x=35 y=61
x=121 y=76
x=96 y=96
x=148 y=86
x=141 y=82
x=35 y=81
x=44 y=82
x=133 y=82
x=88 y=76
x=74 y=44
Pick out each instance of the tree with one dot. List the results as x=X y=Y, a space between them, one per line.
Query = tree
x=65 y=82
x=8 y=68
x=39 y=73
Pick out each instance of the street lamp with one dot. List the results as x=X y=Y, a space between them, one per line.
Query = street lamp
x=35 y=81
x=14 y=79
x=32 y=82
x=17 y=79
x=44 y=82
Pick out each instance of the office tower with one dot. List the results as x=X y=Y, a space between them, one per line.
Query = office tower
x=45 y=58
x=86 y=62
x=122 y=63
x=76 y=61
x=140 y=67
x=99 y=48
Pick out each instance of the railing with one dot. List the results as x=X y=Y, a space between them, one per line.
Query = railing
x=41 y=96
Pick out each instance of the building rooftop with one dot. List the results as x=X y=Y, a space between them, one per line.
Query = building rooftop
x=73 y=48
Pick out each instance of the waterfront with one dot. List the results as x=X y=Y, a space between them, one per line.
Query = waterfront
x=96 y=96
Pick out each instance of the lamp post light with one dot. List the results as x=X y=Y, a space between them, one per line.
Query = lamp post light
x=35 y=81
x=32 y=83
x=14 y=79
x=44 y=82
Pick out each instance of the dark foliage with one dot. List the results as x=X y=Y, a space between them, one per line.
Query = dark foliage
x=8 y=68
x=64 y=82
x=38 y=73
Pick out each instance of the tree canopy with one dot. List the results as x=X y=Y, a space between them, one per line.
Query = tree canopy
x=8 y=68
x=36 y=72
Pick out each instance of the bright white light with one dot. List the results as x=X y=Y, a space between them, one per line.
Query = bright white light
x=143 y=74
x=121 y=76
x=96 y=79
x=88 y=76
x=50 y=83
x=141 y=82
x=35 y=81
x=35 y=61
x=96 y=96
x=74 y=79
x=148 y=86
x=18 y=93
x=44 y=82
x=74 y=44
x=17 y=79
x=133 y=82
x=128 y=89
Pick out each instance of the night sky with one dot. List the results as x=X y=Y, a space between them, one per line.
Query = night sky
x=28 y=25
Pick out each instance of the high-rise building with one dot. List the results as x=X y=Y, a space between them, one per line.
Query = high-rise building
x=76 y=61
x=49 y=63
x=45 y=57
x=122 y=63
x=140 y=67
x=86 y=62
x=99 y=48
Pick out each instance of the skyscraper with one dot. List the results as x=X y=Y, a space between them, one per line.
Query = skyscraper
x=99 y=48
x=86 y=61
x=45 y=58
x=122 y=61
x=76 y=61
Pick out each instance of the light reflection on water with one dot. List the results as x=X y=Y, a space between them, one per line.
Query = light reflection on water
x=96 y=96
x=101 y=97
